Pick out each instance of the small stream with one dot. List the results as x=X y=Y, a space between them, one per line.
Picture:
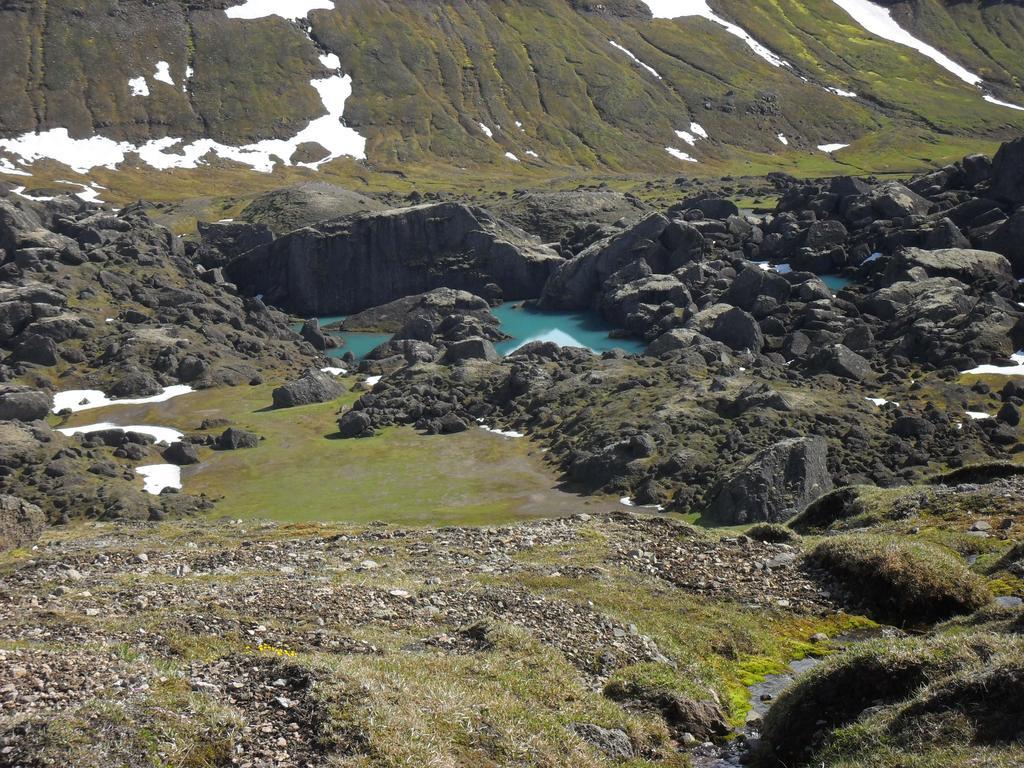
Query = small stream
x=762 y=696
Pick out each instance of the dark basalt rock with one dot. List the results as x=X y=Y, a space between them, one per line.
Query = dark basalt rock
x=222 y=242
x=1008 y=172
x=23 y=404
x=470 y=349
x=355 y=424
x=305 y=205
x=365 y=261
x=182 y=454
x=36 y=349
x=234 y=439
x=428 y=309
x=314 y=387
x=554 y=216
x=777 y=483
x=981 y=270
x=321 y=341
x=135 y=384
x=737 y=330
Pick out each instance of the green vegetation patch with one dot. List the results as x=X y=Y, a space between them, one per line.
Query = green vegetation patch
x=902 y=582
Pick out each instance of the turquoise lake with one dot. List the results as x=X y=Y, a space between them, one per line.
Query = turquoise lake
x=523 y=324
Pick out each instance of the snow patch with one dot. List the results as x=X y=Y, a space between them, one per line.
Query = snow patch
x=502 y=432
x=979 y=415
x=698 y=130
x=1017 y=369
x=6 y=166
x=20 y=191
x=531 y=153
x=993 y=100
x=331 y=61
x=830 y=148
x=487 y=131
x=674 y=9
x=880 y=401
x=158 y=477
x=139 y=86
x=163 y=73
x=78 y=400
x=89 y=193
x=782 y=269
x=512 y=157
x=688 y=137
x=163 y=435
x=334 y=371
x=680 y=155
x=636 y=60
x=841 y=92
x=782 y=137
x=628 y=502
x=293 y=10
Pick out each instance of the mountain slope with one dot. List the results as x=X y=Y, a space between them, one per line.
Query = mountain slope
x=524 y=86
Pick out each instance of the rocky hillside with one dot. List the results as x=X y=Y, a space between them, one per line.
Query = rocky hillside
x=547 y=85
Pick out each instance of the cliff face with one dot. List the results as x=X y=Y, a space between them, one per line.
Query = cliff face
x=365 y=261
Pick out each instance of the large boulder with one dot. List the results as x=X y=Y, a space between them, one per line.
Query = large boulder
x=312 y=334
x=304 y=205
x=664 y=245
x=737 y=330
x=23 y=404
x=36 y=349
x=234 y=438
x=893 y=200
x=981 y=270
x=775 y=485
x=841 y=361
x=1008 y=239
x=555 y=215
x=1008 y=172
x=314 y=387
x=470 y=349
x=21 y=523
x=431 y=307
x=359 y=262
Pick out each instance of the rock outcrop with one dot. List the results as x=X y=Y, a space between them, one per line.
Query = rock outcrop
x=776 y=485
x=365 y=261
x=314 y=387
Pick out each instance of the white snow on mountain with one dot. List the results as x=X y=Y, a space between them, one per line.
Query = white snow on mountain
x=680 y=155
x=675 y=9
x=878 y=20
x=139 y=86
x=163 y=73
x=292 y=10
x=993 y=100
x=634 y=57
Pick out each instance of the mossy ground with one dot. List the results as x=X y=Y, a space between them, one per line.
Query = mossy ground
x=302 y=472
x=511 y=702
